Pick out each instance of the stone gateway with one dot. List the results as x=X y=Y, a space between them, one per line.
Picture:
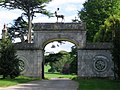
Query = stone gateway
x=94 y=60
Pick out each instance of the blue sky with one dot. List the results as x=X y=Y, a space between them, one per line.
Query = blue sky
x=68 y=8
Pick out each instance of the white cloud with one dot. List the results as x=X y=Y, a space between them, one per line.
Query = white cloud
x=71 y=8
x=69 y=18
x=10 y=14
x=53 y=19
x=66 y=47
x=7 y=16
x=61 y=2
x=44 y=19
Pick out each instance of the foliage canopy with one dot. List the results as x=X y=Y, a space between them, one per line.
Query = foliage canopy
x=94 y=13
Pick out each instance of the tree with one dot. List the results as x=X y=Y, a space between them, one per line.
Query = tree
x=63 y=62
x=30 y=7
x=73 y=64
x=115 y=26
x=62 y=65
x=1 y=1
x=18 y=29
x=111 y=33
x=95 y=13
x=9 y=62
x=106 y=30
x=116 y=54
x=51 y=59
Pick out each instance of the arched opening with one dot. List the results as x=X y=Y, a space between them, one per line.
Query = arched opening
x=60 y=59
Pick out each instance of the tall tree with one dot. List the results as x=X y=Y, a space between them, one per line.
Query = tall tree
x=30 y=7
x=111 y=32
x=94 y=14
x=9 y=62
x=115 y=26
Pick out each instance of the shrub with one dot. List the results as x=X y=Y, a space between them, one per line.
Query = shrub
x=9 y=63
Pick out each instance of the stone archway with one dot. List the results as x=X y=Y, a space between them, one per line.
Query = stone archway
x=74 y=32
x=56 y=46
x=90 y=56
x=45 y=33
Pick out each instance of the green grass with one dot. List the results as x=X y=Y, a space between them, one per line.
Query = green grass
x=18 y=80
x=46 y=68
x=98 y=84
x=58 y=75
x=50 y=75
x=88 y=84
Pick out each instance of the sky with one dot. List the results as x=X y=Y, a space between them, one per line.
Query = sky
x=68 y=8
x=66 y=46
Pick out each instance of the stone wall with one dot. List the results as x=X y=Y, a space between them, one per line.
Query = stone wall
x=95 y=60
x=33 y=62
x=45 y=33
x=59 y=26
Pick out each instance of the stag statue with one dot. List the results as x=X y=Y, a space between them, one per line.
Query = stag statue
x=59 y=16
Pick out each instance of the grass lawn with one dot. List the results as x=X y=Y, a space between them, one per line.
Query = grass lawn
x=50 y=75
x=87 y=84
x=58 y=75
x=98 y=84
x=18 y=80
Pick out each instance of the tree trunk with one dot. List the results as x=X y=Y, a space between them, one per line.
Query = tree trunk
x=29 y=26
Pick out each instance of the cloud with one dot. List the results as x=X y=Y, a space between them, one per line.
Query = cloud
x=67 y=7
x=61 y=2
x=10 y=14
x=7 y=16
x=66 y=47
x=53 y=19
x=69 y=18
x=42 y=18
x=71 y=8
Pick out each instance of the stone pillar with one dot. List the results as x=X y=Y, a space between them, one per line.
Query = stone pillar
x=33 y=62
x=84 y=64
x=4 y=32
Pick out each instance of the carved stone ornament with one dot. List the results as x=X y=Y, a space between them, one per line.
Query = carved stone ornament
x=100 y=63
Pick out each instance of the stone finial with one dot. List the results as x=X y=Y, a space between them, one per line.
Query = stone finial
x=4 y=31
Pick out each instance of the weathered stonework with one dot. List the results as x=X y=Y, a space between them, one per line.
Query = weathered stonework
x=94 y=60
x=47 y=32
x=33 y=62
x=86 y=67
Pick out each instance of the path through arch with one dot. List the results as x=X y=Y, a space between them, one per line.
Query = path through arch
x=60 y=60
x=56 y=84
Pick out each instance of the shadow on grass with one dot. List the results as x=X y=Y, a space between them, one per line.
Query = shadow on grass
x=18 y=80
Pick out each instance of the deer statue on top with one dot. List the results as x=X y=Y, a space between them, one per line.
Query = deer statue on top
x=59 y=16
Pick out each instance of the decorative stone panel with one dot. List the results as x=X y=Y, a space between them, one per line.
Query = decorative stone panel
x=95 y=63
x=33 y=62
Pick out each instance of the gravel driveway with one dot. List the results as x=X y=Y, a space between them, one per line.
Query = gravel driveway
x=53 y=84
